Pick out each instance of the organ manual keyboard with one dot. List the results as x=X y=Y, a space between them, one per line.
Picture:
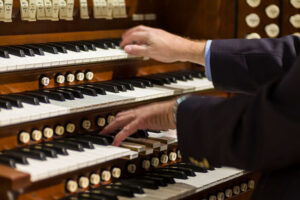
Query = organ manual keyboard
x=63 y=78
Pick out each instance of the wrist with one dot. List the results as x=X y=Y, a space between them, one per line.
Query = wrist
x=194 y=51
x=176 y=104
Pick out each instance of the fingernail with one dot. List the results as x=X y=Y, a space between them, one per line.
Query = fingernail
x=128 y=49
x=115 y=144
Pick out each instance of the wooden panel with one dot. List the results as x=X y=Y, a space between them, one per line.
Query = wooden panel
x=11 y=179
x=58 y=37
x=205 y=19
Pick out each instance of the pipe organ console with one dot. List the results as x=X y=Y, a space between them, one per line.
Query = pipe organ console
x=64 y=77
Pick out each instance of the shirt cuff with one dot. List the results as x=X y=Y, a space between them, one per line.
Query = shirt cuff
x=207 y=60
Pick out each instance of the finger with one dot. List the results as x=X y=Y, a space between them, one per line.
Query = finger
x=140 y=28
x=118 y=123
x=135 y=38
x=126 y=131
x=126 y=112
x=137 y=50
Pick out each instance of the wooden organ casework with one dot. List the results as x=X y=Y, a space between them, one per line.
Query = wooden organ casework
x=63 y=78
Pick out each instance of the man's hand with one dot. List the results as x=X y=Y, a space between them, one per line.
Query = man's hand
x=162 y=46
x=156 y=116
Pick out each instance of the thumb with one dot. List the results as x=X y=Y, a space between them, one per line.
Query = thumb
x=137 y=50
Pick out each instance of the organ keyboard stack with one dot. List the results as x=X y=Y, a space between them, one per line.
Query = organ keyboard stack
x=63 y=78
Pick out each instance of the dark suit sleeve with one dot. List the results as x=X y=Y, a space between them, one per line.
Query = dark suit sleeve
x=256 y=132
x=242 y=65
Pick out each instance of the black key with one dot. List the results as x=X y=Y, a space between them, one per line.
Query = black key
x=109 y=138
x=26 y=99
x=167 y=79
x=118 y=190
x=93 y=139
x=120 y=86
x=67 y=94
x=197 y=73
x=187 y=74
x=103 y=194
x=154 y=80
x=109 y=88
x=57 y=148
x=178 y=76
x=128 y=85
x=4 y=53
x=15 y=51
x=90 y=45
x=142 y=183
x=13 y=101
x=77 y=198
x=69 y=145
x=81 y=46
x=140 y=134
x=52 y=95
x=187 y=171
x=7 y=161
x=69 y=46
x=172 y=172
x=110 y=44
x=84 y=143
x=167 y=178
x=159 y=181
x=36 y=50
x=154 y=131
x=91 y=196
x=27 y=152
x=145 y=82
x=17 y=158
x=99 y=89
x=116 y=41
x=27 y=50
x=135 y=188
x=70 y=198
x=5 y=104
x=45 y=47
x=166 y=76
x=191 y=166
x=60 y=48
x=86 y=91
x=76 y=93
x=136 y=83
x=42 y=98
x=47 y=151
x=100 y=44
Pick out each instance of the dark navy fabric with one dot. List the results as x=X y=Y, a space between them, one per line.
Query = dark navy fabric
x=258 y=129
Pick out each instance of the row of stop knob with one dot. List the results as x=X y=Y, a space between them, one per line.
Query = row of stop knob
x=235 y=190
x=94 y=179
x=48 y=132
x=68 y=77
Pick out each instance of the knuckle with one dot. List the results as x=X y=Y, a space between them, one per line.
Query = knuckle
x=126 y=128
x=141 y=26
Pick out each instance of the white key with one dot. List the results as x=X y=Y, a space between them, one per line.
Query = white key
x=74 y=160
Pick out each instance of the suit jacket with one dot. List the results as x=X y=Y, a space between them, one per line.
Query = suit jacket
x=257 y=130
